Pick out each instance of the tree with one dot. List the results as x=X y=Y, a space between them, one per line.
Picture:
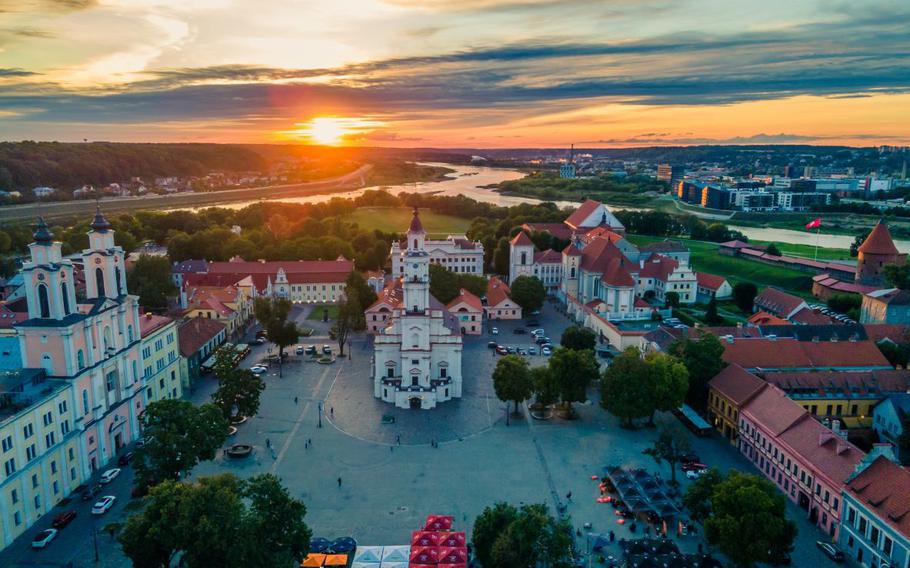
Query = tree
x=671 y=445
x=773 y=250
x=443 y=283
x=744 y=296
x=572 y=372
x=711 y=315
x=624 y=388
x=272 y=314
x=845 y=302
x=273 y=527
x=897 y=275
x=178 y=435
x=505 y=537
x=501 y=257
x=672 y=299
x=668 y=382
x=546 y=391
x=748 y=521
x=528 y=292
x=350 y=318
x=150 y=279
x=238 y=394
x=488 y=526
x=897 y=355
x=703 y=359
x=512 y=380
x=357 y=283
x=217 y=521
x=698 y=497
x=578 y=338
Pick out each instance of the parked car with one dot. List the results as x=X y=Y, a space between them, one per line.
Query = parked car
x=502 y=350
x=692 y=474
x=310 y=350
x=103 y=505
x=519 y=331
x=89 y=494
x=521 y=351
x=546 y=344
x=693 y=466
x=44 y=538
x=546 y=351
x=259 y=369
x=63 y=519
x=830 y=551
x=492 y=345
x=125 y=459
x=326 y=349
x=511 y=350
x=689 y=458
x=532 y=351
x=299 y=350
x=537 y=332
x=495 y=331
x=109 y=475
x=533 y=323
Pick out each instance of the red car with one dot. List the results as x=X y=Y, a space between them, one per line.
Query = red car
x=63 y=519
x=693 y=466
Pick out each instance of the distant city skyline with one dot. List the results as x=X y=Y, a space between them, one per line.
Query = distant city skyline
x=473 y=73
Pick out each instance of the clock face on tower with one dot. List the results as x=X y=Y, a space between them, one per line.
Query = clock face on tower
x=97 y=260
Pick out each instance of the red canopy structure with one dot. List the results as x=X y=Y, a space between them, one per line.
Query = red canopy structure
x=439 y=523
x=455 y=539
x=452 y=555
x=423 y=556
x=424 y=538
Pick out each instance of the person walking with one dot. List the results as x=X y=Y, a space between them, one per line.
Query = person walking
x=332 y=411
x=339 y=482
x=295 y=400
x=268 y=443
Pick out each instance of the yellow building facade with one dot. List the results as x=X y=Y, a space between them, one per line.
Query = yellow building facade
x=160 y=348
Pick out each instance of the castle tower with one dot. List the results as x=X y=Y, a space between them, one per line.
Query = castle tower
x=49 y=286
x=521 y=256
x=105 y=275
x=875 y=253
x=416 y=262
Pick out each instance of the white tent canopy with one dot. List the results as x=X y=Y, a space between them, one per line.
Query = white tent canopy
x=394 y=564
x=368 y=554
x=401 y=553
x=365 y=565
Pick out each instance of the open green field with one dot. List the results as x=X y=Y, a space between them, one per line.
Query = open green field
x=705 y=258
x=397 y=219
x=808 y=251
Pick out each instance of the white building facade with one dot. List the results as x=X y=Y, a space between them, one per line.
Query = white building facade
x=456 y=252
x=417 y=357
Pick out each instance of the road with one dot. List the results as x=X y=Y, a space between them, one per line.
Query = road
x=53 y=209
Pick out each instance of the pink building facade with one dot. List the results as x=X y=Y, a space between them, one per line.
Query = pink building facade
x=809 y=462
x=93 y=344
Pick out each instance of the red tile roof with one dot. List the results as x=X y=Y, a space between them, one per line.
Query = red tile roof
x=786 y=352
x=709 y=281
x=884 y=488
x=764 y=318
x=879 y=241
x=571 y=250
x=196 y=332
x=596 y=256
x=820 y=446
x=658 y=267
x=522 y=239
x=823 y=383
x=808 y=316
x=583 y=212
x=290 y=267
x=497 y=292
x=736 y=384
x=548 y=256
x=211 y=298
x=468 y=298
x=616 y=273
x=771 y=408
x=391 y=296
x=778 y=302
x=149 y=323
x=899 y=334
x=558 y=230
x=9 y=316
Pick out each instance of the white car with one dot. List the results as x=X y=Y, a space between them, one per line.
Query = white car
x=537 y=332
x=546 y=351
x=109 y=475
x=102 y=506
x=44 y=538
x=495 y=331
x=258 y=369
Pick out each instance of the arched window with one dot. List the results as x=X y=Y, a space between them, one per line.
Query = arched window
x=572 y=272
x=80 y=359
x=99 y=281
x=44 y=304
x=108 y=341
x=415 y=341
x=415 y=244
x=119 y=285
x=66 y=298
x=129 y=333
x=524 y=258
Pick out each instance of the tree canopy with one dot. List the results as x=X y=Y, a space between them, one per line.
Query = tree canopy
x=624 y=389
x=744 y=296
x=671 y=445
x=506 y=537
x=445 y=285
x=578 y=338
x=703 y=358
x=218 y=521
x=528 y=292
x=272 y=314
x=512 y=379
x=572 y=372
x=150 y=279
x=178 y=435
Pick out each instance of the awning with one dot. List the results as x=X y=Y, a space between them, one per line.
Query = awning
x=313 y=560
x=336 y=560
x=424 y=538
x=439 y=522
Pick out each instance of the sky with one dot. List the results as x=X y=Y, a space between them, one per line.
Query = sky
x=459 y=73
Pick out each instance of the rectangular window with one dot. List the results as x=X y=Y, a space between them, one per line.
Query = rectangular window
x=7 y=443
x=14 y=496
x=84 y=402
x=9 y=466
x=887 y=545
x=61 y=408
x=54 y=466
x=873 y=536
x=17 y=518
x=65 y=427
x=30 y=453
x=56 y=487
x=34 y=481
x=49 y=439
x=111 y=381
x=28 y=431
x=37 y=502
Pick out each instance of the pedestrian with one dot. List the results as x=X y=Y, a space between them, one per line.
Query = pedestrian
x=306 y=445
x=332 y=411
x=391 y=449
x=268 y=443
x=612 y=536
x=569 y=496
x=295 y=400
x=398 y=439
x=309 y=441
x=339 y=482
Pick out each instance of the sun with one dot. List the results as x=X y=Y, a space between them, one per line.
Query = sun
x=333 y=130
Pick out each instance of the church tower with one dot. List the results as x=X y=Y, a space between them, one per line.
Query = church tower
x=416 y=263
x=49 y=286
x=105 y=275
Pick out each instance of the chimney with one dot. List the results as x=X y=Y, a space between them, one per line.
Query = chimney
x=836 y=428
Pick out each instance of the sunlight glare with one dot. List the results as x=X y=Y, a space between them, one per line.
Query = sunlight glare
x=333 y=130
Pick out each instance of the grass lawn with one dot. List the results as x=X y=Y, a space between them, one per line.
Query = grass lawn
x=397 y=219
x=808 y=251
x=705 y=258
x=316 y=314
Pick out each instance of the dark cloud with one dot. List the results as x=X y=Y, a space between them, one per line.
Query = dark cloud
x=14 y=72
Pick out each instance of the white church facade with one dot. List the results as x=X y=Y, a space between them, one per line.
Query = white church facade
x=417 y=353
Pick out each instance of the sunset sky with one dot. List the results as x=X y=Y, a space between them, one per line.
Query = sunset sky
x=466 y=73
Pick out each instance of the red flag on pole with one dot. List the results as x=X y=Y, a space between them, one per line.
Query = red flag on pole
x=814 y=224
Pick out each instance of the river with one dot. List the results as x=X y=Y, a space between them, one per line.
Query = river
x=470 y=181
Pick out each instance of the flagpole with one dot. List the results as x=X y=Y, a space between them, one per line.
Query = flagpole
x=817 y=231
